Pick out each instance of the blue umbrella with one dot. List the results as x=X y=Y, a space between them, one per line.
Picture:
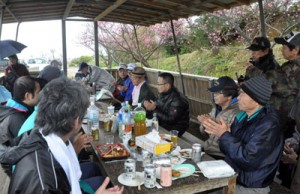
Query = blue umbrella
x=10 y=47
x=4 y=94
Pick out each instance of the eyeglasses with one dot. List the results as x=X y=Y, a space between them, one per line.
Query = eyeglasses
x=218 y=93
x=161 y=84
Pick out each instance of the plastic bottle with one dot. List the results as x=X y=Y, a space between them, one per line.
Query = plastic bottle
x=128 y=107
x=120 y=120
x=139 y=120
x=155 y=125
x=93 y=119
x=126 y=125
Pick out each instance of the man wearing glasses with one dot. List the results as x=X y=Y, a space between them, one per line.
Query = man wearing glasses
x=171 y=106
x=225 y=92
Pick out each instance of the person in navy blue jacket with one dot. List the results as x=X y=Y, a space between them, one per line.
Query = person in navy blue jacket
x=253 y=144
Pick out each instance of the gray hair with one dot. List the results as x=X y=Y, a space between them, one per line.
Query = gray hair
x=60 y=103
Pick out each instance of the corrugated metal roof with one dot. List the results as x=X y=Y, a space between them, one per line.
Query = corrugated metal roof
x=139 y=12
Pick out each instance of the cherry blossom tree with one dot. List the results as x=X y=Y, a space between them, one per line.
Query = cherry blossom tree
x=119 y=43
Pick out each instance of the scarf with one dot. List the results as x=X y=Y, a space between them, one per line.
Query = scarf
x=67 y=158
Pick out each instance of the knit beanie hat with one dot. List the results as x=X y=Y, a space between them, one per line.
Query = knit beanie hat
x=258 y=88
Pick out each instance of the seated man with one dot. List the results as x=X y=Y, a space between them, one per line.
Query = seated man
x=225 y=92
x=16 y=111
x=130 y=86
x=92 y=74
x=122 y=83
x=141 y=90
x=52 y=165
x=171 y=106
x=253 y=144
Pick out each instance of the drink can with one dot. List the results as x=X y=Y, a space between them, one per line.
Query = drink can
x=129 y=169
x=165 y=175
x=95 y=134
x=146 y=157
x=196 y=152
x=150 y=176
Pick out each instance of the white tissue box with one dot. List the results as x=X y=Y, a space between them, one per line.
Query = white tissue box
x=150 y=146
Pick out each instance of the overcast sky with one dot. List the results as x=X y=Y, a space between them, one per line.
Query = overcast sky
x=42 y=37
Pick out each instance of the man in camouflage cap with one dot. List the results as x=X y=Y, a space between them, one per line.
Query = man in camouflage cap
x=286 y=80
x=285 y=86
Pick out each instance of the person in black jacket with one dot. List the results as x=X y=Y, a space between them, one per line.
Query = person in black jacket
x=48 y=162
x=253 y=144
x=14 y=113
x=171 y=106
x=262 y=59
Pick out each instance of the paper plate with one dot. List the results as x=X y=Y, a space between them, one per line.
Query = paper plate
x=185 y=170
x=134 y=182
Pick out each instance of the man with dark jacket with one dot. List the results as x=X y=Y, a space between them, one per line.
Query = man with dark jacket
x=253 y=144
x=262 y=59
x=16 y=111
x=141 y=90
x=171 y=106
x=13 y=72
x=48 y=162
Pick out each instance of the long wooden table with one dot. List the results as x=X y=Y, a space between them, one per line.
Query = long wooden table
x=191 y=184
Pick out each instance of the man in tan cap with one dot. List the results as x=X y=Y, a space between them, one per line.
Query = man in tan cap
x=141 y=90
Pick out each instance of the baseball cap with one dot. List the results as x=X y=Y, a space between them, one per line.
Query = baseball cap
x=259 y=43
x=223 y=83
x=122 y=66
x=292 y=38
x=131 y=66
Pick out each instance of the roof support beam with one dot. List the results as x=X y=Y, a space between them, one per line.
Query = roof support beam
x=109 y=9
x=154 y=4
x=1 y=19
x=177 y=54
x=247 y=2
x=8 y=10
x=64 y=46
x=68 y=9
x=96 y=43
x=262 y=18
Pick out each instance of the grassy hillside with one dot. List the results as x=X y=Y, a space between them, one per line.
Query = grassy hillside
x=228 y=61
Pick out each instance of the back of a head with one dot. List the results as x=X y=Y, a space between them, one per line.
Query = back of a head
x=55 y=63
x=49 y=73
x=168 y=78
x=60 y=102
x=22 y=85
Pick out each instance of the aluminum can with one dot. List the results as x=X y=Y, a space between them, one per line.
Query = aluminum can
x=129 y=169
x=146 y=156
x=166 y=175
x=149 y=176
x=196 y=152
